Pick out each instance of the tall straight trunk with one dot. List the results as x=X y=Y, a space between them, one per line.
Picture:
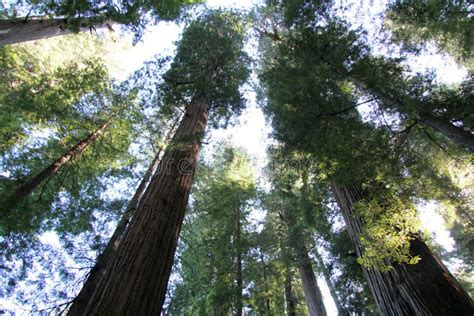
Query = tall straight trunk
x=238 y=240
x=426 y=288
x=327 y=276
x=455 y=133
x=312 y=293
x=24 y=190
x=136 y=278
x=289 y=295
x=265 y=283
x=82 y=299
x=14 y=31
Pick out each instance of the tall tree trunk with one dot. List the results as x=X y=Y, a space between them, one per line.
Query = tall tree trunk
x=327 y=276
x=24 y=190
x=455 y=133
x=14 y=31
x=80 y=301
x=426 y=288
x=312 y=293
x=136 y=278
x=289 y=296
x=238 y=241
x=265 y=283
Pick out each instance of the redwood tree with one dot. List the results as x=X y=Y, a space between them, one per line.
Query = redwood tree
x=211 y=61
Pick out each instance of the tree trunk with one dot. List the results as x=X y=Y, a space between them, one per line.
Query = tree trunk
x=136 y=278
x=265 y=283
x=327 y=276
x=443 y=126
x=289 y=296
x=426 y=288
x=238 y=241
x=312 y=293
x=455 y=133
x=28 y=187
x=80 y=301
x=14 y=31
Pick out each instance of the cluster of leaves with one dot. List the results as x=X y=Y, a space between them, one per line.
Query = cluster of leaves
x=447 y=23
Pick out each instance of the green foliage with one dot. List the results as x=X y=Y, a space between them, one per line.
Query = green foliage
x=82 y=13
x=387 y=232
x=210 y=64
x=210 y=242
x=448 y=24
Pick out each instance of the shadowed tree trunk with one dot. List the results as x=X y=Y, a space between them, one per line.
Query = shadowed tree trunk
x=14 y=31
x=80 y=302
x=289 y=295
x=312 y=293
x=136 y=278
x=24 y=190
x=426 y=288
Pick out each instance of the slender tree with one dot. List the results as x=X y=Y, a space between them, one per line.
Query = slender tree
x=215 y=68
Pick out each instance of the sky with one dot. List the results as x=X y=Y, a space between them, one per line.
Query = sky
x=251 y=130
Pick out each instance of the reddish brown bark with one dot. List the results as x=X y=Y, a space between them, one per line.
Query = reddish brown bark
x=135 y=280
x=82 y=299
x=426 y=288
x=28 y=187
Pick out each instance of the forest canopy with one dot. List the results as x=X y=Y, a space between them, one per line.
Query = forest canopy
x=279 y=158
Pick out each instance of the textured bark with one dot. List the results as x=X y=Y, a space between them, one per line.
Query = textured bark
x=18 y=30
x=238 y=237
x=28 y=187
x=341 y=311
x=426 y=288
x=82 y=299
x=135 y=280
x=289 y=296
x=312 y=293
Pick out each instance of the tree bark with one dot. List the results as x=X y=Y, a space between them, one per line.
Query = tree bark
x=289 y=296
x=312 y=293
x=136 y=278
x=14 y=31
x=238 y=241
x=327 y=276
x=426 y=288
x=23 y=191
x=81 y=300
